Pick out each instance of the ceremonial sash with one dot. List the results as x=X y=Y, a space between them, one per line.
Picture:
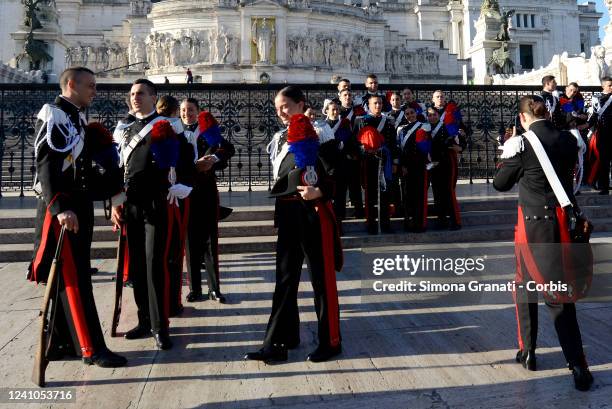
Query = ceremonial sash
x=581 y=150
x=437 y=128
x=381 y=125
x=551 y=107
x=547 y=167
x=409 y=134
x=399 y=118
x=602 y=109
x=335 y=128
x=277 y=157
x=126 y=151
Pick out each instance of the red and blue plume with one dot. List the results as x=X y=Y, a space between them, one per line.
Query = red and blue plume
x=100 y=143
x=572 y=105
x=452 y=118
x=164 y=145
x=209 y=129
x=359 y=111
x=303 y=141
x=343 y=133
x=566 y=104
x=423 y=141
x=97 y=137
x=417 y=107
x=370 y=138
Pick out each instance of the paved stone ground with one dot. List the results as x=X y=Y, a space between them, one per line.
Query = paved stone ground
x=396 y=355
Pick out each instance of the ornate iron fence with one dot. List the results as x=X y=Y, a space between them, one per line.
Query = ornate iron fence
x=248 y=119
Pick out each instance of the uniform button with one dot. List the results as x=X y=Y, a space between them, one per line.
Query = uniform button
x=527 y=217
x=546 y=217
x=546 y=207
x=536 y=218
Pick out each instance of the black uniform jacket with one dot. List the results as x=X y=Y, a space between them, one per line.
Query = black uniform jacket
x=74 y=180
x=224 y=151
x=144 y=180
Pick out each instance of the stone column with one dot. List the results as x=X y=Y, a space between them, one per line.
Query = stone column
x=607 y=40
x=456 y=17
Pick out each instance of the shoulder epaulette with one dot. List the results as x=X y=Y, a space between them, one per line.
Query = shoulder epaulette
x=52 y=116
x=324 y=131
x=118 y=132
x=512 y=147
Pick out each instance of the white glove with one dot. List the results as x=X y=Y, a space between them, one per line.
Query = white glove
x=177 y=192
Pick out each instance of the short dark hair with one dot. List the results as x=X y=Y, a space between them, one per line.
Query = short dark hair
x=606 y=79
x=372 y=75
x=149 y=84
x=396 y=94
x=344 y=80
x=72 y=73
x=294 y=93
x=573 y=84
x=432 y=109
x=375 y=96
x=547 y=78
x=191 y=101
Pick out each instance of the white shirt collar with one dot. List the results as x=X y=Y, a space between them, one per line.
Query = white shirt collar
x=70 y=102
x=140 y=116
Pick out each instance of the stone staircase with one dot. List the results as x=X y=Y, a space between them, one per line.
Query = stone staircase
x=249 y=229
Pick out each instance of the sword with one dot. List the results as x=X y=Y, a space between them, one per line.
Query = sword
x=41 y=359
x=118 y=281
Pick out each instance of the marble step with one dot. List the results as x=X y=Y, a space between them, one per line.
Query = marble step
x=24 y=217
x=257 y=244
x=255 y=228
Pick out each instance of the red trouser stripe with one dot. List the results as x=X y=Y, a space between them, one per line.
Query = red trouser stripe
x=453 y=185
x=214 y=235
x=183 y=223
x=326 y=219
x=126 y=254
x=364 y=179
x=171 y=214
x=43 y=245
x=593 y=159
x=77 y=312
x=519 y=237
x=425 y=189
x=69 y=273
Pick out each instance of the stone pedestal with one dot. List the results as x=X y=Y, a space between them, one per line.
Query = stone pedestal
x=487 y=29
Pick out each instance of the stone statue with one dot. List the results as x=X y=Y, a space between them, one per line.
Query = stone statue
x=503 y=34
x=205 y=47
x=68 y=57
x=222 y=46
x=36 y=51
x=31 y=19
x=263 y=36
x=212 y=41
x=131 y=50
x=174 y=51
x=597 y=64
x=150 y=50
x=490 y=8
x=500 y=62
x=84 y=57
